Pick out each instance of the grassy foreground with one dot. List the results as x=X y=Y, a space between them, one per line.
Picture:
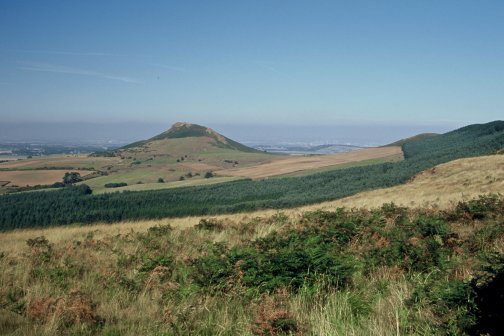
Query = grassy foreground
x=387 y=271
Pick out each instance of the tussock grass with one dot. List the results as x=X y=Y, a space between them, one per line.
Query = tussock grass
x=145 y=278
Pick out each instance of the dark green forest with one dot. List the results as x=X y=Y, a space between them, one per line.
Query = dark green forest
x=77 y=204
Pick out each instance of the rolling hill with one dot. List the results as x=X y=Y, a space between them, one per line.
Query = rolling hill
x=77 y=205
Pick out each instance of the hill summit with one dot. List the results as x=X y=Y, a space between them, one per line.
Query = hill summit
x=187 y=130
x=181 y=131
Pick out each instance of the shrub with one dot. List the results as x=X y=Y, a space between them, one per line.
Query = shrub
x=152 y=263
x=215 y=269
x=452 y=299
x=38 y=242
x=479 y=208
x=488 y=287
x=160 y=230
x=210 y=224
x=290 y=260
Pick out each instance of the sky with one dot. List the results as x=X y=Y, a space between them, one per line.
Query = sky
x=299 y=63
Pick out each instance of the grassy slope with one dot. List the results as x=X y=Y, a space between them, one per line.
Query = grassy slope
x=403 y=271
x=159 y=160
x=441 y=186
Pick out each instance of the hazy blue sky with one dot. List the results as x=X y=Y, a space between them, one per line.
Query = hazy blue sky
x=280 y=62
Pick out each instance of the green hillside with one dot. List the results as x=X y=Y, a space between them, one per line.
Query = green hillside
x=77 y=205
x=413 y=139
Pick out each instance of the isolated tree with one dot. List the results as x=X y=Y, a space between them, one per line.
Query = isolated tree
x=160 y=180
x=71 y=178
x=209 y=174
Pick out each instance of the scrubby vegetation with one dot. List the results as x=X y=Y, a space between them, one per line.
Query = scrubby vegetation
x=115 y=184
x=385 y=271
x=71 y=205
x=71 y=178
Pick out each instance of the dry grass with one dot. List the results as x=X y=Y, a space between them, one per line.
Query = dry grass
x=441 y=186
x=13 y=241
x=290 y=164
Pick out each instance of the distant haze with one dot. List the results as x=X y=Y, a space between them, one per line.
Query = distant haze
x=126 y=132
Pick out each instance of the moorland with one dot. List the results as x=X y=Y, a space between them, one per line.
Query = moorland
x=408 y=243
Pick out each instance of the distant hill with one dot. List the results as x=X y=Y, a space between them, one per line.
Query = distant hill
x=412 y=139
x=184 y=151
x=184 y=130
x=472 y=140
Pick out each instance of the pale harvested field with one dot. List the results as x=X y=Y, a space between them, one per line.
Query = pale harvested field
x=290 y=164
x=76 y=161
x=34 y=177
x=10 y=158
x=442 y=188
